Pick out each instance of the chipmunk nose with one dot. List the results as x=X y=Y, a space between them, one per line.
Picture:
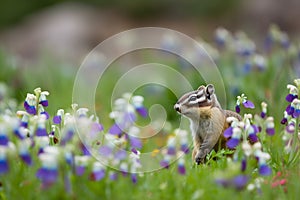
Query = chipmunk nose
x=177 y=107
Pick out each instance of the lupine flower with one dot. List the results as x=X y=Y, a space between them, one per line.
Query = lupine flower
x=182 y=136
x=3 y=161
x=181 y=167
x=81 y=163
x=222 y=36
x=270 y=126
x=238 y=182
x=137 y=102
x=264 y=110
x=285 y=118
x=262 y=157
x=113 y=175
x=41 y=127
x=48 y=173
x=24 y=118
x=252 y=131
x=133 y=133
x=235 y=138
x=243 y=100
x=24 y=146
x=260 y=62
x=98 y=172
x=30 y=104
x=171 y=146
x=243 y=45
x=43 y=99
x=58 y=117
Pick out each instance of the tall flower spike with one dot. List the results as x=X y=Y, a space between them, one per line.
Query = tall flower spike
x=48 y=173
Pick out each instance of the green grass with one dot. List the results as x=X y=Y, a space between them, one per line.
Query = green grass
x=199 y=181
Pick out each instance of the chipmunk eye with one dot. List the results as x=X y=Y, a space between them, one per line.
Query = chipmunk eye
x=193 y=98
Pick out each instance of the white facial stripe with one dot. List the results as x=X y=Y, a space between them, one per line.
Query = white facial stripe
x=201 y=99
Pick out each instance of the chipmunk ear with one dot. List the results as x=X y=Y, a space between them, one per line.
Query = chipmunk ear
x=210 y=89
x=201 y=87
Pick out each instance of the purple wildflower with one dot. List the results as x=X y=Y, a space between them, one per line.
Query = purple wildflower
x=264 y=170
x=40 y=131
x=165 y=164
x=228 y=132
x=142 y=111
x=181 y=167
x=98 y=172
x=291 y=97
x=232 y=143
x=135 y=142
x=239 y=182
x=237 y=109
x=30 y=109
x=248 y=104
x=115 y=130
x=134 y=178
x=57 y=119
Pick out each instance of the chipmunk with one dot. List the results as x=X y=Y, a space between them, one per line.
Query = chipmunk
x=207 y=120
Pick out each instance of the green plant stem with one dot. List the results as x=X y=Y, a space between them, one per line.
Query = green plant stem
x=295 y=142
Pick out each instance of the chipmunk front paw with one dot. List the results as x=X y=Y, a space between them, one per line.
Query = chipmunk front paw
x=200 y=156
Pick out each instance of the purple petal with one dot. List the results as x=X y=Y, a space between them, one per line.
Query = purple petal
x=24 y=124
x=296 y=114
x=57 y=119
x=113 y=176
x=84 y=150
x=135 y=142
x=164 y=164
x=265 y=170
x=47 y=176
x=171 y=150
x=120 y=155
x=30 y=109
x=67 y=137
x=105 y=151
x=26 y=158
x=243 y=165
x=98 y=175
x=237 y=109
x=79 y=170
x=240 y=181
x=3 y=140
x=3 y=166
x=44 y=103
x=115 y=130
x=232 y=143
x=248 y=104
x=270 y=131
x=283 y=121
x=290 y=110
x=129 y=118
x=134 y=178
x=253 y=137
x=262 y=115
x=181 y=169
x=290 y=128
x=41 y=132
x=228 y=132
x=185 y=148
x=142 y=111
x=290 y=97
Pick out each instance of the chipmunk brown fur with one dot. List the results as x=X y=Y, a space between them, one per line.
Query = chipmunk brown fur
x=207 y=120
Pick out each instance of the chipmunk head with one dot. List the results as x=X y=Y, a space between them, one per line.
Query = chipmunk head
x=191 y=103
